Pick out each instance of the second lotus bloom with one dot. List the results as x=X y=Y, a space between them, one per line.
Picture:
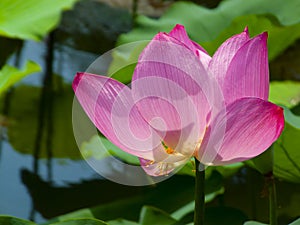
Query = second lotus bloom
x=184 y=103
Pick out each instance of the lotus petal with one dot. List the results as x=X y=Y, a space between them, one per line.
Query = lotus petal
x=244 y=130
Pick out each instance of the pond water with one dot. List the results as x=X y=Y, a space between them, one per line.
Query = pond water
x=40 y=161
x=15 y=198
x=17 y=167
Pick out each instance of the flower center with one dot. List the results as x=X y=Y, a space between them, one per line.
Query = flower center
x=168 y=149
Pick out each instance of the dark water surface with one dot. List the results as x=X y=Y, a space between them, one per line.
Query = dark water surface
x=16 y=158
x=40 y=165
x=15 y=198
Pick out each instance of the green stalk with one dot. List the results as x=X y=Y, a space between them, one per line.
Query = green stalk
x=199 y=194
x=272 y=200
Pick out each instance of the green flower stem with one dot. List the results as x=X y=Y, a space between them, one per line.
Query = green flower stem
x=272 y=200
x=199 y=194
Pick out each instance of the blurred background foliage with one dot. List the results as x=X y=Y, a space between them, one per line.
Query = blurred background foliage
x=43 y=175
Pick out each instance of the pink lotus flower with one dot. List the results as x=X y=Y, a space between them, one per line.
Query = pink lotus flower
x=184 y=103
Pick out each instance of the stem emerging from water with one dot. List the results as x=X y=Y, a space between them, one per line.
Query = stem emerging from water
x=272 y=200
x=199 y=194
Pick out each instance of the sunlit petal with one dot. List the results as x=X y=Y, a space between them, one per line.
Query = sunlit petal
x=171 y=84
x=109 y=105
x=220 y=61
x=244 y=130
x=179 y=33
x=248 y=73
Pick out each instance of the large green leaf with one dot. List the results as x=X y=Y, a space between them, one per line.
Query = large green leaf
x=81 y=222
x=254 y=223
x=183 y=211
x=285 y=93
x=151 y=215
x=121 y=222
x=263 y=163
x=180 y=213
x=279 y=37
x=283 y=158
x=30 y=19
x=296 y=222
x=9 y=75
x=287 y=150
x=9 y=220
x=210 y=27
x=205 y=24
x=229 y=170
x=82 y=213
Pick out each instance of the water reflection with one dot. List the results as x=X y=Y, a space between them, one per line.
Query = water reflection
x=15 y=199
x=51 y=200
x=38 y=145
